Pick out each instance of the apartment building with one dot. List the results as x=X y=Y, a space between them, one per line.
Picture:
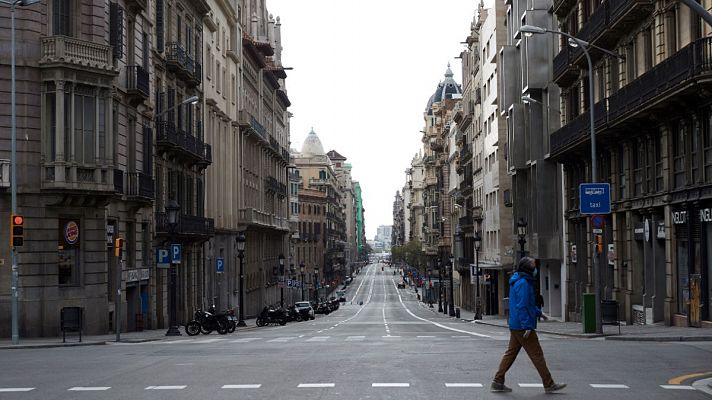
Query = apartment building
x=652 y=119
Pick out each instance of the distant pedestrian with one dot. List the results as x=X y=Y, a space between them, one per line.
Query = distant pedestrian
x=523 y=314
x=540 y=304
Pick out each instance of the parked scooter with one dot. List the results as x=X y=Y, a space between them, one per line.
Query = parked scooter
x=293 y=314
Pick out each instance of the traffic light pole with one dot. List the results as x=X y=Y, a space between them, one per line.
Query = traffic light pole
x=13 y=178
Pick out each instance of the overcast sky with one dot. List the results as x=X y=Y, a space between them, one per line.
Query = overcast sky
x=363 y=73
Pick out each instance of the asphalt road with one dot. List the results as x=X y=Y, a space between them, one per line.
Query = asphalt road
x=390 y=348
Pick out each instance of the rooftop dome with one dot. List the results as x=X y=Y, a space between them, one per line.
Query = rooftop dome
x=312 y=146
x=445 y=90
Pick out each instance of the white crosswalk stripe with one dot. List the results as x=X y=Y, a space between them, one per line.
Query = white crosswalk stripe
x=355 y=338
x=609 y=386
x=318 y=339
x=282 y=339
x=245 y=340
x=678 y=387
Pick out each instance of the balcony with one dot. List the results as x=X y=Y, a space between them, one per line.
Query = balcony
x=562 y=7
x=436 y=145
x=66 y=52
x=477 y=214
x=276 y=187
x=431 y=181
x=578 y=129
x=80 y=178
x=623 y=13
x=465 y=154
x=178 y=142
x=250 y=125
x=189 y=226
x=196 y=78
x=178 y=61
x=140 y=187
x=137 y=86
x=564 y=73
x=257 y=218
x=136 y=6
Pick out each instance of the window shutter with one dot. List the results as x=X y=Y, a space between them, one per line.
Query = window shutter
x=159 y=25
x=171 y=103
x=116 y=29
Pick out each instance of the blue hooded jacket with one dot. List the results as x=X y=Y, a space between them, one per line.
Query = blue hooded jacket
x=523 y=312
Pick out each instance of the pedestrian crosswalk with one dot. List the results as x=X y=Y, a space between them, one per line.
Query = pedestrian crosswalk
x=230 y=339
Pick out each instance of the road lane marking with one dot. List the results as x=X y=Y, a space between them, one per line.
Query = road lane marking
x=318 y=339
x=609 y=386
x=355 y=338
x=5 y=390
x=391 y=336
x=425 y=336
x=249 y=386
x=175 y=387
x=176 y=341
x=678 y=380
x=390 y=385
x=678 y=387
x=282 y=339
x=463 y=385
x=245 y=340
x=432 y=322
x=316 y=385
x=531 y=385
x=207 y=341
x=88 y=388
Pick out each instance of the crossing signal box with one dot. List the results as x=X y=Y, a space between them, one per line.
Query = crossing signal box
x=17 y=231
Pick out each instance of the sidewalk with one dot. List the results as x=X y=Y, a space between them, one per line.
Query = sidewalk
x=650 y=333
x=94 y=340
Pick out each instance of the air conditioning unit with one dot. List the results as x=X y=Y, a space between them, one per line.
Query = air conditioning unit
x=4 y=173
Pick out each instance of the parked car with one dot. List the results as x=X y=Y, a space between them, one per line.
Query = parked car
x=305 y=309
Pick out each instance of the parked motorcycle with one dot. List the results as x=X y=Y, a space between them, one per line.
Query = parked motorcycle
x=206 y=321
x=272 y=315
x=293 y=314
x=231 y=320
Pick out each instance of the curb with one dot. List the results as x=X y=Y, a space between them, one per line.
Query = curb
x=51 y=345
x=662 y=338
x=572 y=335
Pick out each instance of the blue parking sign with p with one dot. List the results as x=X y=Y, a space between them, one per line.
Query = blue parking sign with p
x=163 y=258
x=175 y=253
x=220 y=265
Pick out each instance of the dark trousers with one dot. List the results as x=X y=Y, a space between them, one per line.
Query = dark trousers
x=533 y=348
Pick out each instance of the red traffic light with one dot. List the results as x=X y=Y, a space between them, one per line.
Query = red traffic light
x=18 y=219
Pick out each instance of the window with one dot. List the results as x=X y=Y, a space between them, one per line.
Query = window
x=648 y=48
x=145 y=47
x=630 y=62
x=85 y=106
x=614 y=74
x=695 y=150
x=707 y=144
x=671 y=31
x=622 y=161
x=69 y=252
x=638 y=159
x=160 y=38
x=679 y=134
x=61 y=17
x=179 y=25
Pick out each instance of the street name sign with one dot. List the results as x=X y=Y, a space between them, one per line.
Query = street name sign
x=595 y=198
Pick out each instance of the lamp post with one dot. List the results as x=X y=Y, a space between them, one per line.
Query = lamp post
x=281 y=277
x=240 y=240
x=293 y=278
x=172 y=211
x=316 y=286
x=451 y=301
x=301 y=270
x=440 y=286
x=13 y=162
x=478 y=304
x=574 y=41
x=522 y=233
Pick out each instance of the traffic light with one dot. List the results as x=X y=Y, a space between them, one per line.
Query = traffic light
x=599 y=244
x=118 y=247
x=17 y=233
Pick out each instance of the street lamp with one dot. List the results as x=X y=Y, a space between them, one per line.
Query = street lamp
x=451 y=300
x=478 y=305
x=240 y=241
x=13 y=161
x=522 y=233
x=172 y=212
x=301 y=270
x=293 y=277
x=440 y=286
x=316 y=286
x=281 y=273
x=574 y=41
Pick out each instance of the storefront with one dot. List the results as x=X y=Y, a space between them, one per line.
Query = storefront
x=691 y=265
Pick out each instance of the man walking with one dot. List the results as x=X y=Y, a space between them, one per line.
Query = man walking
x=523 y=315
